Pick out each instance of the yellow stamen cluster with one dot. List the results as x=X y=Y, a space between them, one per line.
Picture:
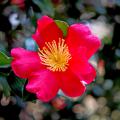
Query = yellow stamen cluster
x=55 y=55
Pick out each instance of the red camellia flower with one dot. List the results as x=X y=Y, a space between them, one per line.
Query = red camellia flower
x=60 y=62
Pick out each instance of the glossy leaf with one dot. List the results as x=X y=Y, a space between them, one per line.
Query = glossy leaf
x=18 y=86
x=63 y=26
x=4 y=60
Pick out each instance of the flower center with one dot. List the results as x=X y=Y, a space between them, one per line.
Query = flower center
x=55 y=55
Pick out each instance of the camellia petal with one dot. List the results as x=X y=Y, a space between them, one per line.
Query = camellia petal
x=89 y=76
x=47 y=31
x=80 y=35
x=24 y=62
x=71 y=84
x=44 y=84
x=79 y=66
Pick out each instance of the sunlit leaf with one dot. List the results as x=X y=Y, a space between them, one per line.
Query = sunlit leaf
x=4 y=60
x=63 y=26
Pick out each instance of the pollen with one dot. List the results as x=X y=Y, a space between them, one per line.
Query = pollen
x=55 y=55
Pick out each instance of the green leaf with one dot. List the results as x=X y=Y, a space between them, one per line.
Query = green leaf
x=63 y=26
x=5 y=86
x=4 y=60
x=18 y=86
x=45 y=6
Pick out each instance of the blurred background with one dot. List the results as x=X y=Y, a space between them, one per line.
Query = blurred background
x=102 y=98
